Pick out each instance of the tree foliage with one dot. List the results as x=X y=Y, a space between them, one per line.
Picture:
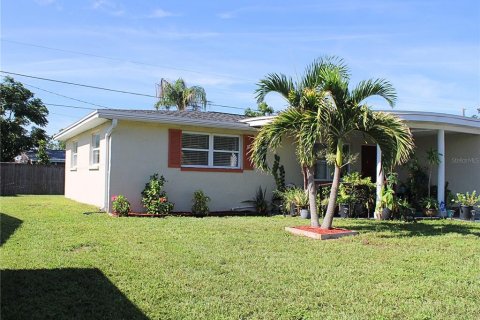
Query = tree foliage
x=177 y=94
x=263 y=109
x=323 y=109
x=20 y=110
x=42 y=155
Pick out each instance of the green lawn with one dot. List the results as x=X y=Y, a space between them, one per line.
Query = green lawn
x=61 y=259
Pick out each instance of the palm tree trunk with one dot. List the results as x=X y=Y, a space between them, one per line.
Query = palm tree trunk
x=332 y=201
x=312 y=197
x=328 y=220
x=305 y=179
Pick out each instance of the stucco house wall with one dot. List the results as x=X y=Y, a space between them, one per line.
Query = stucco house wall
x=86 y=183
x=462 y=160
x=139 y=149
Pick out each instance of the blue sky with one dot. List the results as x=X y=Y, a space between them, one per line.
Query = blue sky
x=429 y=50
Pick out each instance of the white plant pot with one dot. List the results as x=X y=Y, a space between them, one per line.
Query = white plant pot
x=304 y=214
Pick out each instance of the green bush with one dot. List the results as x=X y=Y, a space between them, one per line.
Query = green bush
x=200 y=203
x=259 y=201
x=120 y=205
x=154 y=198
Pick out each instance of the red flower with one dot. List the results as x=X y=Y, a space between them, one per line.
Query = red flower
x=163 y=199
x=114 y=198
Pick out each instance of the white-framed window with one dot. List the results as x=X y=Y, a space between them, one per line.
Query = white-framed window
x=95 y=149
x=210 y=150
x=74 y=160
x=324 y=171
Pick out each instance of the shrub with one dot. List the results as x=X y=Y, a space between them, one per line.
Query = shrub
x=120 y=205
x=154 y=198
x=467 y=199
x=200 y=203
x=259 y=201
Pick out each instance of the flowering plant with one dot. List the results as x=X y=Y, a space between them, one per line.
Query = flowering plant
x=120 y=205
x=154 y=198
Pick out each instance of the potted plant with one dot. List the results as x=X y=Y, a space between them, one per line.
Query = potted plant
x=300 y=199
x=430 y=205
x=344 y=200
x=405 y=210
x=288 y=197
x=387 y=203
x=466 y=202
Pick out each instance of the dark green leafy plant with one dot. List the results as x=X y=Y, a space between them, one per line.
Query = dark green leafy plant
x=154 y=198
x=430 y=203
x=42 y=155
x=259 y=201
x=416 y=183
x=200 y=203
x=278 y=172
x=120 y=205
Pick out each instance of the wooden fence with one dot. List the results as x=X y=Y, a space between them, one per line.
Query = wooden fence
x=19 y=178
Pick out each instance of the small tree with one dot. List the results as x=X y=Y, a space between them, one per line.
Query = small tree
x=42 y=154
x=19 y=109
x=263 y=110
x=433 y=159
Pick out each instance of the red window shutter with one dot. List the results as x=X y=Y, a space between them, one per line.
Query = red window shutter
x=174 y=148
x=247 y=144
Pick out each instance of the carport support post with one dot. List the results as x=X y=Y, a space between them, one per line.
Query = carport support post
x=378 y=208
x=441 y=166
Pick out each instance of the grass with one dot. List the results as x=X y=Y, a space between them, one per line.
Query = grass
x=59 y=262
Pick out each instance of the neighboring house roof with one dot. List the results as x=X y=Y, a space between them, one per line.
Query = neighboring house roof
x=54 y=156
x=195 y=118
x=414 y=119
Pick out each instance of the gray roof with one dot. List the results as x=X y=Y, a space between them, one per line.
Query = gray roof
x=197 y=115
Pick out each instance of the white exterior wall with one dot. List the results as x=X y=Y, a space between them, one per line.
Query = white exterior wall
x=86 y=184
x=462 y=160
x=140 y=149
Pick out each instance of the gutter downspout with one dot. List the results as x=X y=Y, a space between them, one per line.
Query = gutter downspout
x=108 y=163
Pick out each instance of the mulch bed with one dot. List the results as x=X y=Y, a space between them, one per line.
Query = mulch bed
x=322 y=231
x=320 y=234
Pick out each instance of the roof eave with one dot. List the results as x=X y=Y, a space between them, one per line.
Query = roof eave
x=100 y=116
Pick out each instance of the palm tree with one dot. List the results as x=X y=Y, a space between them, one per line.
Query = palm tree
x=348 y=113
x=302 y=120
x=177 y=94
x=323 y=109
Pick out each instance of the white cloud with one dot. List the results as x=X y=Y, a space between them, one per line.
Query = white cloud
x=109 y=7
x=160 y=13
x=225 y=15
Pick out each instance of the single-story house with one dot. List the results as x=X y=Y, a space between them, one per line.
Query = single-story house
x=111 y=152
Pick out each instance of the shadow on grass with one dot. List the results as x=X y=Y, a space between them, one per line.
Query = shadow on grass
x=63 y=294
x=401 y=229
x=8 y=226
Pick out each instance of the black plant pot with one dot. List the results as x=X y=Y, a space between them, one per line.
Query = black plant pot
x=386 y=214
x=466 y=212
x=343 y=210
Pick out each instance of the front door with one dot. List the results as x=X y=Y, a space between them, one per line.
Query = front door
x=369 y=162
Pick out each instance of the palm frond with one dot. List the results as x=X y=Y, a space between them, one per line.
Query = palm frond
x=287 y=123
x=274 y=82
x=391 y=134
x=313 y=76
x=369 y=88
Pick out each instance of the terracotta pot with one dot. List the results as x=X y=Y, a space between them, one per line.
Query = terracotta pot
x=430 y=212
